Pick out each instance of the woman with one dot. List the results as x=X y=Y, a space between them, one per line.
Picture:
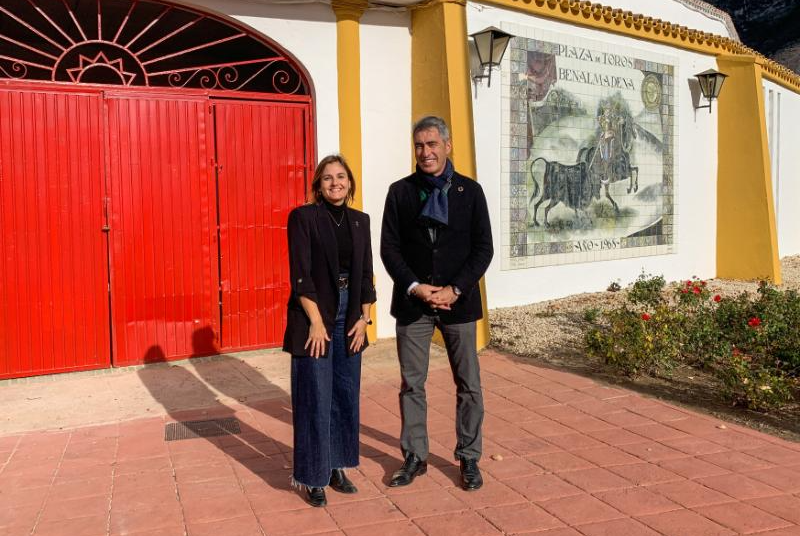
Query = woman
x=330 y=260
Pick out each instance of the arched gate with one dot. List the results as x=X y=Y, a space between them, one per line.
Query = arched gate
x=149 y=156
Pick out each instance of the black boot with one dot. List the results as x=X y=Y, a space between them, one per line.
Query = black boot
x=471 y=478
x=340 y=482
x=412 y=468
x=315 y=496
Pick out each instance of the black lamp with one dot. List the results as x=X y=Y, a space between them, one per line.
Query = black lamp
x=491 y=44
x=710 y=85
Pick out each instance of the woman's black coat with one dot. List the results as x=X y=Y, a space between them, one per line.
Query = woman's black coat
x=314 y=272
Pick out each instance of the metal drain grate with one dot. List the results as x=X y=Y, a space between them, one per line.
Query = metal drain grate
x=175 y=431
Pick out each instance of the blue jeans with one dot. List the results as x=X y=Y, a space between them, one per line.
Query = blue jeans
x=325 y=405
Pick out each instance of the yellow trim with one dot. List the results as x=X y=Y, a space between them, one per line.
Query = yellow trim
x=608 y=19
x=440 y=85
x=747 y=238
x=348 y=56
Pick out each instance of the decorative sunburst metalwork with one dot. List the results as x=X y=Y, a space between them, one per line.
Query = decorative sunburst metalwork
x=137 y=43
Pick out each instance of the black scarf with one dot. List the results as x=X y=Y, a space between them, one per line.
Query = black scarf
x=434 y=193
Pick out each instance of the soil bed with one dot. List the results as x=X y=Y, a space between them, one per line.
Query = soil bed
x=551 y=334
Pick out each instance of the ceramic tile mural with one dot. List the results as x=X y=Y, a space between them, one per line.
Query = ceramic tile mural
x=589 y=150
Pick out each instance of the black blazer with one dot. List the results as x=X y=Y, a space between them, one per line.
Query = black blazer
x=314 y=272
x=459 y=256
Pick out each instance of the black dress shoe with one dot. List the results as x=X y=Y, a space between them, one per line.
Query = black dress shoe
x=412 y=468
x=340 y=482
x=316 y=496
x=471 y=478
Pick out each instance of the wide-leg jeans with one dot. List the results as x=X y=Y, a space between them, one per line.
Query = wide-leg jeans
x=413 y=349
x=325 y=408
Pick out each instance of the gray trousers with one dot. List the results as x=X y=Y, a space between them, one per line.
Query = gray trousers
x=413 y=349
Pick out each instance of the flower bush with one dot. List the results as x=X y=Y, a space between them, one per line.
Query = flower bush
x=751 y=343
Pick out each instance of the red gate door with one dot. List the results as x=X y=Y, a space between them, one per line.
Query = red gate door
x=164 y=292
x=53 y=276
x=262 y=156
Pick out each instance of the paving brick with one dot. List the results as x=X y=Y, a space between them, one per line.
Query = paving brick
x=643 y=474
x=782 y=478
x=776 y=454
x=739 y=486
x=241 y=526
x=617 y=436
x=737 y=440
x=596 y=479
x=742 y=517
x=397 y=528
x=131 y=521
x=465 y=524
x=580 y=509
x=542 y=487
x=82 y=526
x=428 y=503
x=216 y=508
x=367 y=512
x=491 y=494
x=573 y=441
x=657 y=432
x=784 y=506
x=528 y=445
x=690 y=494
x=607 y=456
x=692 y=468
x=546 y=427
x=305 y=521
x=637 y=501
x=694 y=445
x=652 y=451
x=510 y=467
x=521 y=518
x=736 y=461
x=684 y=523
x=627 y=418
x=559 y=462
x=63 y=508
x=617 y=527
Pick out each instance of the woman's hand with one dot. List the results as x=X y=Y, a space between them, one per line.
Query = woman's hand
x=317 y=337
x=359 y=334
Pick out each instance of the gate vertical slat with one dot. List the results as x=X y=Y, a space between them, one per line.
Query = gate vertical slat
x=259 y=146
x=53 y=291
x=164 y=294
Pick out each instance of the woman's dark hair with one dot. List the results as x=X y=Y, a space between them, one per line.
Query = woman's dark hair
x=316 y=186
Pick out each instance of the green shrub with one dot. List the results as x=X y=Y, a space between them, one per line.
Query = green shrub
x=752 y=343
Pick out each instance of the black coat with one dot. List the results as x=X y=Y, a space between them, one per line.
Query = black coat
x=314 y=272
x=459 y=256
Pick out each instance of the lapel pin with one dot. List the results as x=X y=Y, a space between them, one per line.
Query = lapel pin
x=460 y=188
x=356 y=224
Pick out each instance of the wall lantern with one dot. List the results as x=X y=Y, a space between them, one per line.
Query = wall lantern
x=710 y=85
x=490 y=44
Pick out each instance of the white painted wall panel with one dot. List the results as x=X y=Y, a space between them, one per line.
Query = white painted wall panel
x=385 y=128
x=695 y=196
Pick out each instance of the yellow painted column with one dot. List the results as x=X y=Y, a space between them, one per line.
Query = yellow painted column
x=747 y=238
x=441 y=85
x=348 y=61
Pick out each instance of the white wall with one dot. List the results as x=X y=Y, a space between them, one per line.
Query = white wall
x=695 y=188
x=385 y=128
x=308 y=32
x=782 y=111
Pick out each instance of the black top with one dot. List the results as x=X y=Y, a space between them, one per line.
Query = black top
x=459 y=255
x=344 y=239
x=314 y=269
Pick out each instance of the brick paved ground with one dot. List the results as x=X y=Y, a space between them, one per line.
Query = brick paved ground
x=563 y=456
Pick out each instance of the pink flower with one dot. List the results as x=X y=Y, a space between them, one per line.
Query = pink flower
x=688 y=283
x=684 y=291
x=754 y=322
x=717 y=298
x=645 y=316
x=696 y=290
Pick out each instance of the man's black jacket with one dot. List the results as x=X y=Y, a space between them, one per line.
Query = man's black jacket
x=459 y=256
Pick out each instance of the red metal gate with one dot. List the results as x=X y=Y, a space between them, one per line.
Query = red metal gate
x=262 y=158
x=53 y=270
x=164 y=253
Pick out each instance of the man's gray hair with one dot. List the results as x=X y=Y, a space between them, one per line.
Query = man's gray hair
x=432 y=121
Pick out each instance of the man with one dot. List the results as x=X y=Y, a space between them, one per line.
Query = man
x=436 y=244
